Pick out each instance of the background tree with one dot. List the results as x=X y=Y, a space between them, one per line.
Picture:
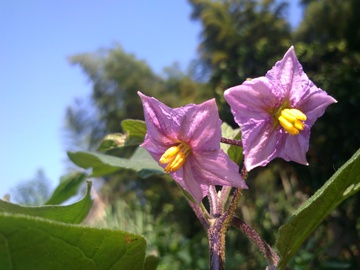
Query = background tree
x=328 y=43
x=240 y=39
x=33 y=192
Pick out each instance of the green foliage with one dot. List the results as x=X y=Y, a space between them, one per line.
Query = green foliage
x=166 y=244
x=74 y=213
x=37 y=243
x=136 y=131
x=68 y=187
x=240 y=39
x=112 y=141
x=344 y=183
x=45 y=237
x=102 y=164
x=327 y=42
x=116 y=77
x=151 y=262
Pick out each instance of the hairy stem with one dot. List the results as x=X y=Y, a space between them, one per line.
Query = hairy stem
x=216 y=235
x=217 y=232
x=215 y=206
x=231 y=141
x=265 y=249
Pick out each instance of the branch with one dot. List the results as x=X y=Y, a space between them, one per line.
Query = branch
x=265 y=249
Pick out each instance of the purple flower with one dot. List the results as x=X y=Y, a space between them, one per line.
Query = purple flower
x=275 y=112
x=186 y=143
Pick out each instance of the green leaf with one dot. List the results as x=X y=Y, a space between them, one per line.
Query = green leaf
x=74 y=213
x=68 y=187
x=135 y=131
x=102 y=164
x=343 y=184
x=36 y=243
x=112 y=141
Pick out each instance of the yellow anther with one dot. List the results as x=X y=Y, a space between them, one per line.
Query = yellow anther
x=298 y=114
x=288 y=126
x=169 y=154
x=292 y=120
x=176 y=163
x=175 y=157
x=299 y=125
x=286 y=113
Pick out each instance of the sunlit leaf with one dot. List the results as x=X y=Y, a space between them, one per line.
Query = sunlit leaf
x=136 y=130
x=68 y=187
x=35 y=243
x=112 y=141
x=102 y=164
x=343 y=184
x=74 y=213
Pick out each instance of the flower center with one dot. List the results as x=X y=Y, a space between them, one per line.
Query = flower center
x=292 y=120
x=175 y=157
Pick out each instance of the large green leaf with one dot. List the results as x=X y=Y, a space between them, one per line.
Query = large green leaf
x=102 y=164
x=28 y=243
x=74 y=213
x=68 y=187
x=343 y=184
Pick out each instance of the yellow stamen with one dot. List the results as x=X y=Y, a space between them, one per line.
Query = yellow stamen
x=169 y=154
x=175 y=157
x=292 y=120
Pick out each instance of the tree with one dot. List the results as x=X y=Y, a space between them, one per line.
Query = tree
x=240 y=39
x=328 y=43
x=33 y=192
x=116 y=76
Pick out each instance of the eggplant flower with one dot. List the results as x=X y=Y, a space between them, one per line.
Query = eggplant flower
x=275 y=112
x=185 y=141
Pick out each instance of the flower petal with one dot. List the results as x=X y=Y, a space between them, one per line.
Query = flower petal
x=162 y=123
x=259 y=143
x=187 y=178
x=294 y=148
x=201 y=126
x=221 y=170
x=288 y=74
x=314 y=102
x=252 y=100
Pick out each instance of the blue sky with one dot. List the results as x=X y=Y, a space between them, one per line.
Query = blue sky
x=37 y=82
